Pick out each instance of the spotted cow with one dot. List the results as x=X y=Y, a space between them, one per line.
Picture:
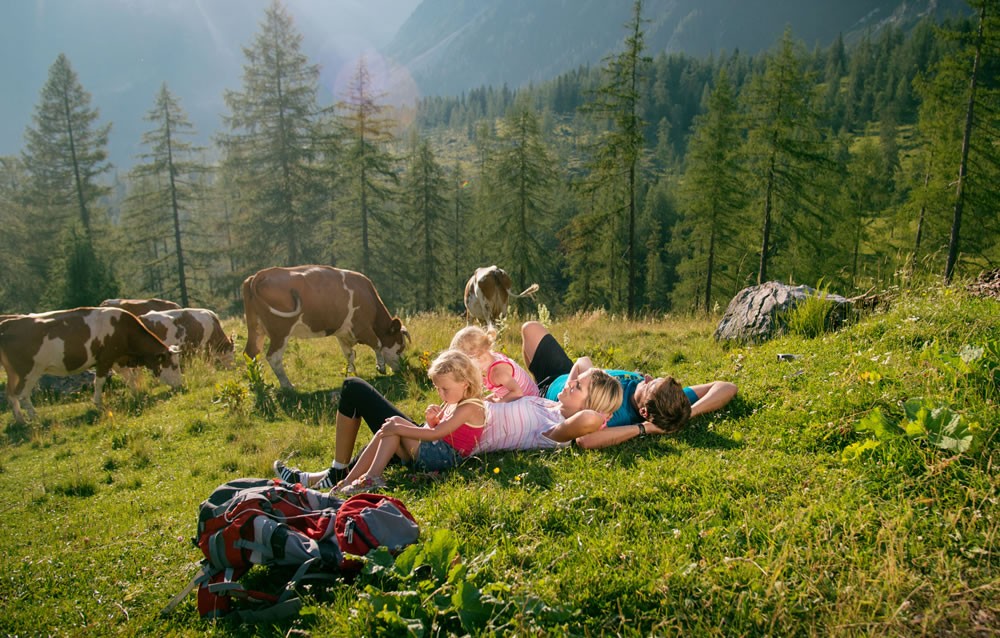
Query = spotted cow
x=319 y=301
x=487 y=294
x=193 y=330
x=66 y=342
x=140 y=306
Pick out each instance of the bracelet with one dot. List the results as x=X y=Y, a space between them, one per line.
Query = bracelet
x=642 y=429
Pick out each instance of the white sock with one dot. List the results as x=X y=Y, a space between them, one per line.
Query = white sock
x=337 y=465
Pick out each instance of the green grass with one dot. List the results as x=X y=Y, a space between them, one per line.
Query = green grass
x=752 y=522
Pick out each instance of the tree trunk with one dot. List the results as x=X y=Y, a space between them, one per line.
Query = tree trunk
x=956 y=223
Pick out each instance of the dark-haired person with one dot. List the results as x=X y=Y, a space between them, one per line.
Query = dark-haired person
x=650 y=405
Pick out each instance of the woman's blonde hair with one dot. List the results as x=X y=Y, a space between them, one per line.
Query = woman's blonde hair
x=461 y=368
x=605 y=394
x=473 y=340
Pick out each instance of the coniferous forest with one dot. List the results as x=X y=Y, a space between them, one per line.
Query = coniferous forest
x=646 y=184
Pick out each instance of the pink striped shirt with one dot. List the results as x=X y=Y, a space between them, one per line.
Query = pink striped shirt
x=524 y=381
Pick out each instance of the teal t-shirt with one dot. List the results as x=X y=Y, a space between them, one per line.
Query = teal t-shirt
x=627 y=414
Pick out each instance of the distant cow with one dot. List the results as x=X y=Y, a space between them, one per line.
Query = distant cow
x=66 y=342
x=192 y=330
x=487 y=294
x=319 y=301
x=140 y=306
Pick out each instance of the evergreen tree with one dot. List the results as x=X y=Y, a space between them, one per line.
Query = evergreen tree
x=713 y=186
x=520 y=178
x=370 y=168
x=65 y=154
x=868 y=190
x=959 y=123
x=784 y=150
x=426 y=209
x=616 y=161
x=18 y=284
x=169 y=166
x=271 y=147
x=79 y=277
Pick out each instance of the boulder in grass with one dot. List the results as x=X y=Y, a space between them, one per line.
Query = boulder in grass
x=755 y=313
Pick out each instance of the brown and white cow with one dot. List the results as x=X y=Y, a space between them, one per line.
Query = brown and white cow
x=66 y=342
x=193 y=330
x=487 y=294
x=140 y=306
x=319 y=301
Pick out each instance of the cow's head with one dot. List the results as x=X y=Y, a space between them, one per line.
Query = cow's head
x=391 y=345
x=167 y=366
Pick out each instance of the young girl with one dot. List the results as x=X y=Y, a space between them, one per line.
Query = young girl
x=453 y=428
x=502 y=377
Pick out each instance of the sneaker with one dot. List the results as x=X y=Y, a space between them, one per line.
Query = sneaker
x=288 y=474
x=364 y=484
x=331 y=478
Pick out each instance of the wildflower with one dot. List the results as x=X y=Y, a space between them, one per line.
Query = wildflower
x=496 y=470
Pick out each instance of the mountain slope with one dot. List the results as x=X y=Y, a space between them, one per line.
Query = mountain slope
x=450 y=46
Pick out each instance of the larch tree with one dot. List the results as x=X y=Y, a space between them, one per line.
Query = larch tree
x=427 y=213
x=713 y=185
x=369 y=169
x=271 y=150
x=174 y=196
x=520 y=177
x=65 y=154
x=617 y=156
x=784 y=147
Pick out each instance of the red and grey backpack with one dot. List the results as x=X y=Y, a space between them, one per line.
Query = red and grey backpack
x=268 y=522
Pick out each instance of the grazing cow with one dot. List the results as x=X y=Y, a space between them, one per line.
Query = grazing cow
x=487 y=294
x=140 y=306
x=319 y=301
x=66 y=342
x=192 y=330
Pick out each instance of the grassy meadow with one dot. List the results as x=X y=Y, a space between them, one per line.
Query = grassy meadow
x=851 y=491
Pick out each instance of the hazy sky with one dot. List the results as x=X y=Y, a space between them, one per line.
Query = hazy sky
x=123 y=50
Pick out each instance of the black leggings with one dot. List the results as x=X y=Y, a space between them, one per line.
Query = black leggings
x=358 y=399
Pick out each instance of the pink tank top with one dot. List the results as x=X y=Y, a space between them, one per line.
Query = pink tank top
x=466 y=437
x=524 y=381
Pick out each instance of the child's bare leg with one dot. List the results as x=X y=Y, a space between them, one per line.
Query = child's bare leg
x=347 y=436
x=390 y=445
x=364 y=462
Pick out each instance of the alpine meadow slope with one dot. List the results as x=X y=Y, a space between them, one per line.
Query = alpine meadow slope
x=834 y=496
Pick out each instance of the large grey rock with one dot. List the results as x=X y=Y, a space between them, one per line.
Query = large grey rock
x=754 y=314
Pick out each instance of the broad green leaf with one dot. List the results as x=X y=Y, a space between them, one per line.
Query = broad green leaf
x=439 y=553
x=468 y=601
x=854 y=451
x=877 y=423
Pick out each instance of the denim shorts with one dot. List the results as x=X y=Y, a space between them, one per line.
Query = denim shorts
x=433 y=456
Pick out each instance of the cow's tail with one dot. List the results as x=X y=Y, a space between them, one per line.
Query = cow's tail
x=294 y=312
x=527 y=292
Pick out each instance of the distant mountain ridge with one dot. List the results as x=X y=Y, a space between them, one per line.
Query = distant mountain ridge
x=451 y=46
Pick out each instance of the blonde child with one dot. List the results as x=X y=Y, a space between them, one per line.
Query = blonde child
x=452 y=432
x=505 y=379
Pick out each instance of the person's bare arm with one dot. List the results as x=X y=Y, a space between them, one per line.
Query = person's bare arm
x=712 y=396
x=610 y=436
x=580 y=366
x=503 y=375
x=580 y=424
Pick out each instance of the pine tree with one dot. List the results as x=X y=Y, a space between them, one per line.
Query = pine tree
x=271 y=147
x=617 y=157
x=175 y=195
x=370 y=168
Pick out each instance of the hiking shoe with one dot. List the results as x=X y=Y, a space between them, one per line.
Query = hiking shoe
x=287 y=474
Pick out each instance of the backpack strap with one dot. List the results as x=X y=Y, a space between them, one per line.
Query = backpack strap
x=203 y=576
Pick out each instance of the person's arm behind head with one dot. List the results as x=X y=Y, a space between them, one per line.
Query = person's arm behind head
x=712 y=396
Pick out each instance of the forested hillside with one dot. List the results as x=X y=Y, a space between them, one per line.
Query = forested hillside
x=645 y=184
